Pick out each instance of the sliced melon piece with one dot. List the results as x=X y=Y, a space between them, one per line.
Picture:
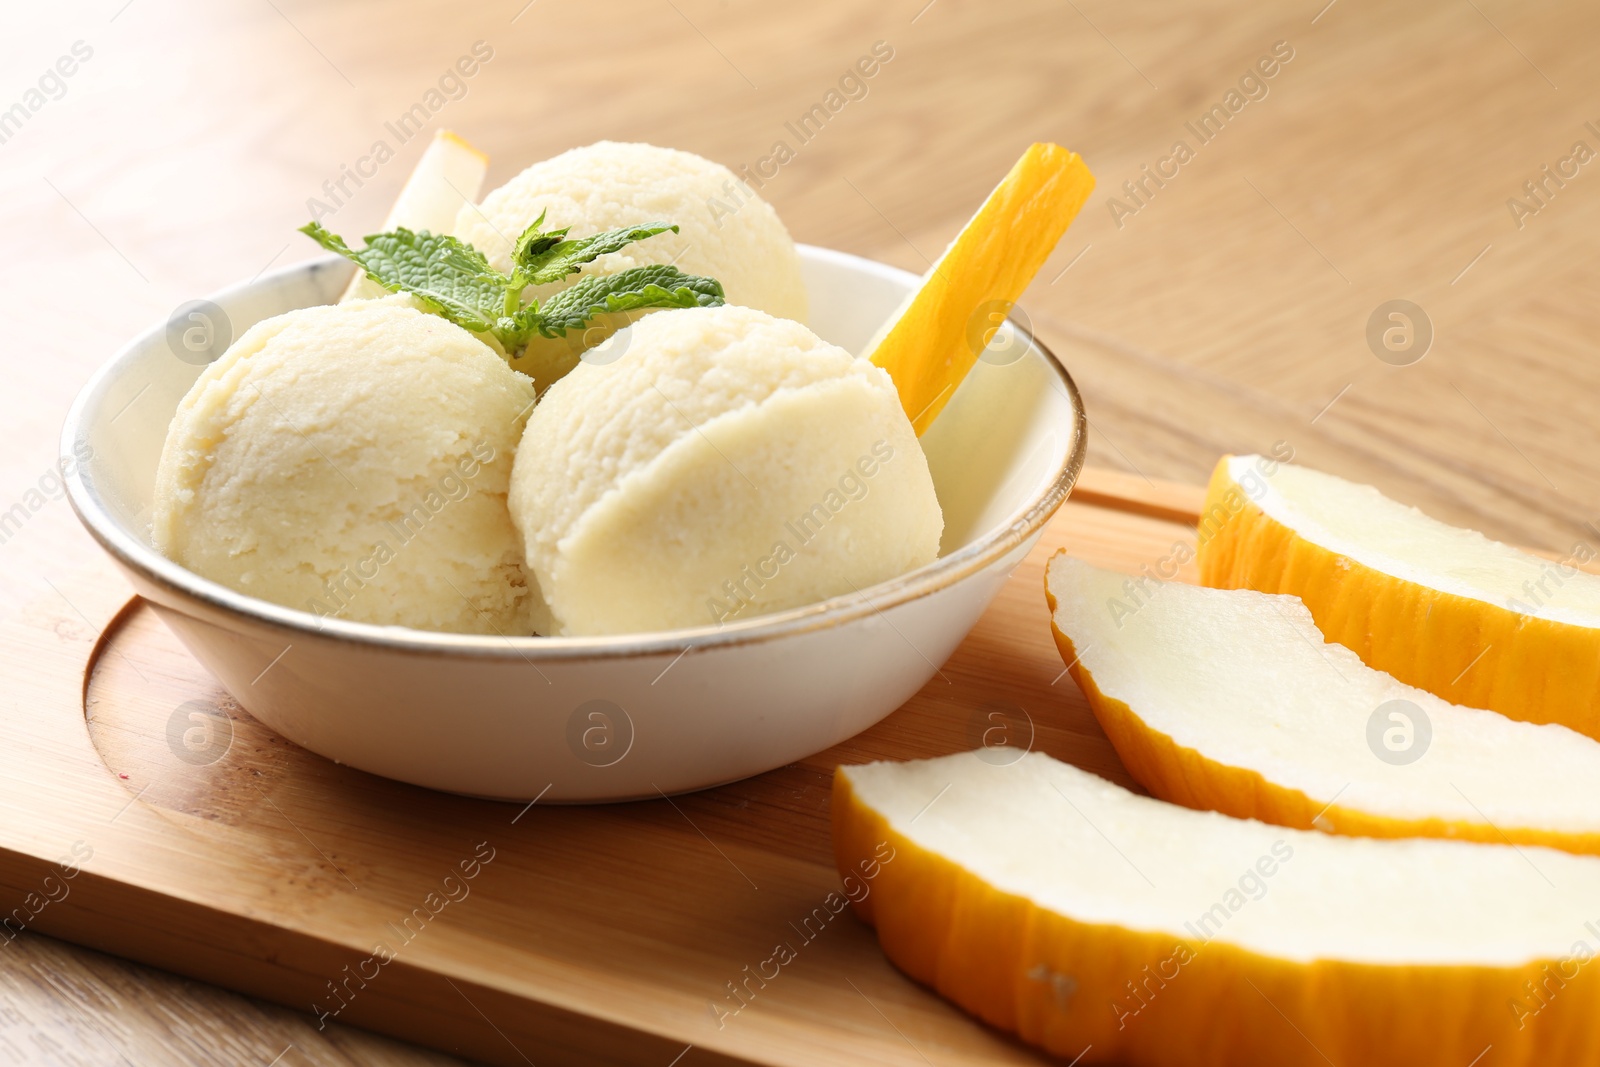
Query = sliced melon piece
x=1444 y=609
x=450 y=172
x=1229 y=699
x=931 y=343
x=1119 y=929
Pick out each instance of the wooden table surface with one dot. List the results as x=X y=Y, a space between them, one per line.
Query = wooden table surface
x=1224 y=309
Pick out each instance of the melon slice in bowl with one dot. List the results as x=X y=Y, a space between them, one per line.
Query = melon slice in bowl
x=1103 y=925
x=1230 y=700
x=1439 y=607
x=930 y=343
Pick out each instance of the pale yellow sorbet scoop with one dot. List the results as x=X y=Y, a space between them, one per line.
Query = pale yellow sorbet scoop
x=726 y=464
x=353 y=461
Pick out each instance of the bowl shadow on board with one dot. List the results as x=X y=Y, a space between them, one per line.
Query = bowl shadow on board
x=582 y=719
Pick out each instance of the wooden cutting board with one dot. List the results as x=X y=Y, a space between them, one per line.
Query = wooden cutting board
x=145 y=813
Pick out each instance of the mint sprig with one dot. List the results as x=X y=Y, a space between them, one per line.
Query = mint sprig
x=542 y=257
x=655 y=286
x=449 y=274
x=455 y=280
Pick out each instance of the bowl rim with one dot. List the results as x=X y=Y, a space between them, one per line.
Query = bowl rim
x=140 y=558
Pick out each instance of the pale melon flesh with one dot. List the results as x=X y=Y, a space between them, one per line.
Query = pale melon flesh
x=1107 y=925
x=449 y=174
x=1448 y=610
x=1361 y=524
x=1245 y=681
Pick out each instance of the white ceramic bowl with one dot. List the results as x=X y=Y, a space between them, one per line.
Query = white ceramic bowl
x=602 y=718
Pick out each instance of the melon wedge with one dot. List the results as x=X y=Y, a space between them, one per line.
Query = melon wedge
x=1114 y=928
x=1229 y=699
x=450 y=172
x=1444 y=609
x=931 y=343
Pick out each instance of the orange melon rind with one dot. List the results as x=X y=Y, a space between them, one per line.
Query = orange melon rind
x=1229 y=700
x=932 y=342
x=1090 y=989
x=1509 y=657
x=1183 y=776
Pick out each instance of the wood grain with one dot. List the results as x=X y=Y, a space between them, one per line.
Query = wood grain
x=69 y=1006
x=604 y=934
x=1226 y=315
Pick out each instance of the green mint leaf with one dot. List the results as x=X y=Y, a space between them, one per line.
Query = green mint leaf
x=532 y=245
x=455 y=280
x=449 y=275
x=656 y=286
x=331 y=241
x=541 y=261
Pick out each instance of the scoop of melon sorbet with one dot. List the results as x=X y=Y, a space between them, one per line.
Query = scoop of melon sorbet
x=725 y=231
x=353 y=461
x=726 y=464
